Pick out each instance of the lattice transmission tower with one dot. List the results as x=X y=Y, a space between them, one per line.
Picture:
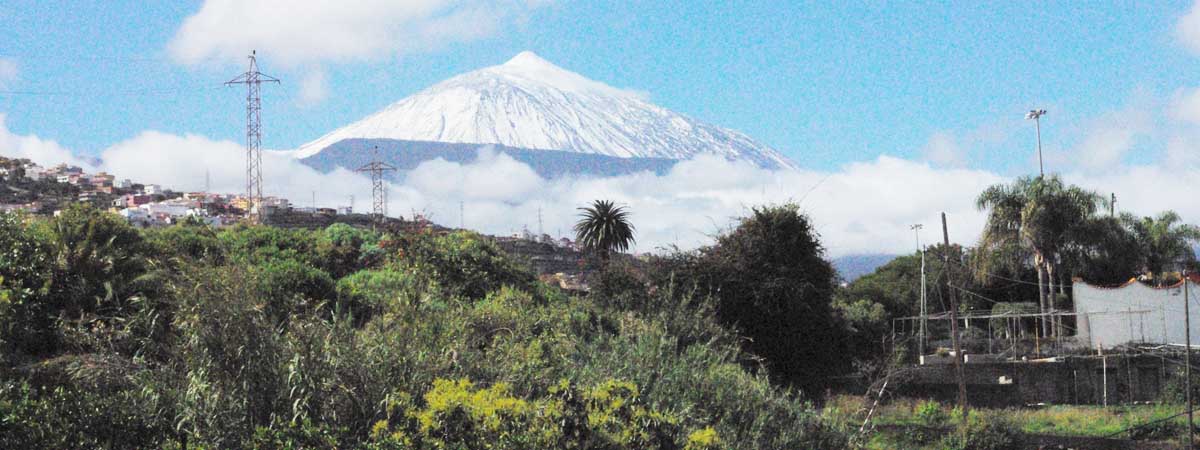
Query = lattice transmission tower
x=378 y=194
x=253 y=79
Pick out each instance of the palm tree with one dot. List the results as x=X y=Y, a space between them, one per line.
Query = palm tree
x=1032 y=218
x=604 y=227
x=1163 y=241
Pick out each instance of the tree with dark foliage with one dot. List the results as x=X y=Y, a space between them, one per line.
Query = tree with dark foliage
x=773 y=283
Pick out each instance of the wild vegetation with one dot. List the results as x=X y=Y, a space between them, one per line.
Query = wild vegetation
x=261 y=337
x=264 y=337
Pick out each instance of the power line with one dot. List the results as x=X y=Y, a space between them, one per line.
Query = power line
x=106 y=92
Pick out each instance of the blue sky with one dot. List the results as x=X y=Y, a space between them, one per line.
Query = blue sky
x=897 y=112
x=826 y=83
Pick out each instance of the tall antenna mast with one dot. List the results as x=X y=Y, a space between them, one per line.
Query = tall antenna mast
x=252 y=78
x=378 y=195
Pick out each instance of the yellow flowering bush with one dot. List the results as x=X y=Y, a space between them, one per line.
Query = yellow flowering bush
x=703 y=439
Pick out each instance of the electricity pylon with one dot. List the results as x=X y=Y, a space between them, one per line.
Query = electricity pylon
x=252 y=78
x=378 y=194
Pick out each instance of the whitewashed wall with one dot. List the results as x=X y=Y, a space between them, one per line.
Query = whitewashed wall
x=1134 y=313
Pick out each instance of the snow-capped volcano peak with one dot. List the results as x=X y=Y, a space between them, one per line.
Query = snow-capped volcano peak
x=529 y=60
x=529 y=68
x=529 y=102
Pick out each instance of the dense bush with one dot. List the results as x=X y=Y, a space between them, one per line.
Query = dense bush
x=464 y=263
x=255 y=337
x=770 y=281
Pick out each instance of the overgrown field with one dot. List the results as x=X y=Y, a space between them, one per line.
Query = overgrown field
x=913 y=423
x=258 y=337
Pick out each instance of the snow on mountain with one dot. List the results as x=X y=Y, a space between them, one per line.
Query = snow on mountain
x=529 y=102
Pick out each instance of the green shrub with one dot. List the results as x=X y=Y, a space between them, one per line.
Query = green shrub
x=465 y=264
x=70 y=418
x=930 y=413
x=290 y=286
x=620 y=286
x=984 y=434
x=187 y=240
x=343 y=249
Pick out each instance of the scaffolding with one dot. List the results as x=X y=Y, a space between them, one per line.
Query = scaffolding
x=1014 y=335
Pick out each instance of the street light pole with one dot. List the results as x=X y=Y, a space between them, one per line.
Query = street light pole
x=1036 y=115
x=923 y=330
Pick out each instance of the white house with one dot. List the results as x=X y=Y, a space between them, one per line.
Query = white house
x=169 y=208
x=136 y=216
x=1135 y=313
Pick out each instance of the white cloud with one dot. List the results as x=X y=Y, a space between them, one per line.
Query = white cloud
x=318 y=31
x=8 y=72
x=863 y=207
x=313 y=89
x=1108 y=138
x=1187 y=29
x=1185 y=106
x=943 y=150
x=1146 y=190
x=184 y=162
x=43 y=152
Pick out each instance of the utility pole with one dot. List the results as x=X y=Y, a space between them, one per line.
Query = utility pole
x=252 y=78
x=1187 y=359
x=923 y=329
x=378 y=194
x=1112 y=205
x=958 y=356
x=1036 y=115
x=1045 y=299
x=351 y=204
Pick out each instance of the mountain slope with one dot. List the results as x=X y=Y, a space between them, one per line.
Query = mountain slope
x=407 y=155
x=530 y=103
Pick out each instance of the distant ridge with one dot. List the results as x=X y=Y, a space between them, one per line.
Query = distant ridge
x=852 y=267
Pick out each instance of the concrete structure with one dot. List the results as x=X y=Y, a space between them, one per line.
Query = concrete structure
x=1091 y=379
x=1134 y=313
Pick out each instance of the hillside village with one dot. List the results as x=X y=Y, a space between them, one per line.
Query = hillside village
x=28 y=187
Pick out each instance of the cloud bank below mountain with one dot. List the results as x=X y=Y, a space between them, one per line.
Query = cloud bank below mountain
x=863 y=207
